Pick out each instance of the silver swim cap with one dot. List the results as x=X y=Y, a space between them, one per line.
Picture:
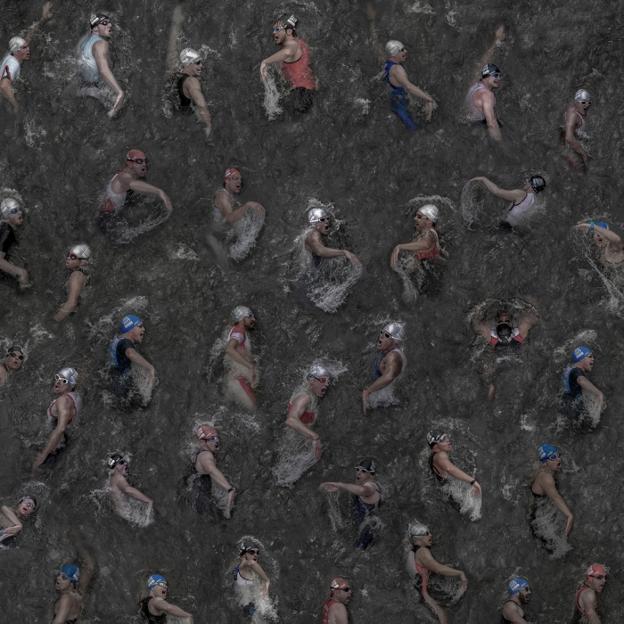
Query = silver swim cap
x=436 y=438
x=395 y=330
x=318 y=371
x=15 y=43
x=241 y=312
x=81 y=251
x=582 y=96
x=96 y=18
x=417 y=529
x=188 y=55
x=70 y=374
x=316 y=214
x=430 y=211
x=10 y=206
x=393 y=47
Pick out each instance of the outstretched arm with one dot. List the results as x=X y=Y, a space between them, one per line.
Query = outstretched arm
x=171 y=609
x=201 y=108
x=172 y=56
x=512 y=195
x=499 y=37
x=143 y=187
x=134 y=356
x=46 y=15
x=317 y=247
x=286 y=53
x=614 y=239
x=100 y=53
x=124 y=486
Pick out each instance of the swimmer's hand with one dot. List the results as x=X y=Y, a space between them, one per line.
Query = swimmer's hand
x=569 y=525
x=23 y=280
x=178 y=15
x=46 y=11
x=11 y=531
x=500 y=34
x=365 y=394
x=476 y=489
x=264 y=71
x=328 y=486
x=463 y=581
x=317 y=448
x=166 y=201
x=119 y=100
x=430 y=106
x=394 y=258
x=208 y=131
x=227 y=512
x=352 y=258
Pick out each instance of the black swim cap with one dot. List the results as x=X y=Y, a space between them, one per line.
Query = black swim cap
x=97 y=18
x=490 y=70
x=537 y=183
x=15 y=349
x=368 y=465
x=114 y=459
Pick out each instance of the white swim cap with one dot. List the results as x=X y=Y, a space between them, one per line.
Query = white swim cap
x=417 y=529
x=430 y=211
x=10 y=206
x=70 y=374
x=15 y=43
x=81 y=251
x=316 y=214
x=188 y=55
x=318 y=371
x=395 y=330
x=241 y=312
x=393 y=47
x=582 y=96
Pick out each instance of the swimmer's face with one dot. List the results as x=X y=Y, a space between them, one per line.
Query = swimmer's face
x=597 y=583
x=525 y=595
x=251 y=555
x=493 y=81
x=72 y=261
x=587 y=363
x=319 y=385
x=61 y=385
x=385 y=341
x=362 y=475
x=279 y=33
x=26 y=508
x=122 y=467
x=503 y=317
x=195 y=69
x=104 y=28
x=14 y=360
x=160 y=591
x=16 y=218
x=62 y=583
x=421 y=222
x=600 y=240
x=23 y=53
x=582 y=106
x=402 y=55
x=343 y=595
x=554 y=463
x=234 y=183
x=323 y=225
x=445 y=444
x=424 y=540
x=136 y=334
x=249 y=322
x=213 y=443
x=138 y=166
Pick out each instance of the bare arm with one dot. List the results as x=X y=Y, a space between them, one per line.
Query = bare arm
x=62 y=609
x=100 y=53
x=87 y=567
x=241 y=358
x=195 y=93
x=511 y=613
x=588 y=386
x=499 y=37
x=224 y=204
x=124 y=486
x=257 y=568
x=358 y=490
x=443 y=463
x=527 y=321
x=614 y=239
x=292 y=420
x=487 y=99
x=286 y=53
x=512 y=195
x=46 y=14
x=570 y=129
x=134 y=356
x=393 y=369
x=171 y=609
x=400 y=75
x=550 y=489
x=148 y=189
x=8 y=267
x=439 y=568
x=339 y=614
x=172 y=56
x=6 y=88
x=76 y=282
x=316 y=246
x=482 y=328
x=15 y=527
x=588 y=600
x=63 y=409
x=208 y=464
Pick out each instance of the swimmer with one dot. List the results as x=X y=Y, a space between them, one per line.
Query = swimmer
x=209 y=475
x=154 y=607
x=504 y=333
x=12 y=362
x=388 y=366
x=118 y=481
x=320 y=222
x=249 y=578
x=184 y=77
x=574 y=137
x=63 y=410
x=421 y=563
x=241 y=375
x=230 y=218
x=586 y=600
x=395 y=75
x=11 y=217
x=19 y=50
x=366 y=500
x=95 y=65
x=426 y=244
x=336 y=607
x=522 y=200
x=545 y=482
x=12 y=518
x=294 y=59
x=77 y=265
x=518 y=594
x=609 y=244
x=71 y=584
x=441 y=465
x=481 y=101
x=123 y=354
x=576 y=385
x=122 y=184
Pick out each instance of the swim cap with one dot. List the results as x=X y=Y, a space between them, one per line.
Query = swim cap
x=602 y=224
x=203 y=432
x=316 y=214
x=230 y=171
x=128 y=322
x=396 y=330
x=15 y=43
x=537 y=183
x=318 y=371
x=546 y=452
x=430 y=211
x=582 y=96
x=70 y=375
x=115 y=459
x=15 y=349
x=154 y=580
x=241 y=312
x=417 y=529
x=368 y=465
x=188 y=55
x=436 y=438
x=96 y=18
x=288 y=22
x=516 y=585
x=71 y=571
x=81 y=251
x=580 y=353
x=135 y=154
x=597 y=569
x=10 y=206
x=490 y=70
x=393 y=47
x=338 y=583
x=244 y=548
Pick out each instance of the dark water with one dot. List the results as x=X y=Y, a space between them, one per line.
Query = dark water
x=61 y=153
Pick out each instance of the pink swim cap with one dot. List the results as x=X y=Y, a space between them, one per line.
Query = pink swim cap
x=230 y=171
x=133 y=154
x=203 y=432
x=596 y=569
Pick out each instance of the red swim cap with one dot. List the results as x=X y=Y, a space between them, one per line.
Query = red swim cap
x=230 y=171
x=133 y=154
x=596 y=569
x=339 y=583
x=203 y=432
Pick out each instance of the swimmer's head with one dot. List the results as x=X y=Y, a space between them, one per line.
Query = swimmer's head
x=188 y=56
x=129 y=322
x=491 y=74
x=78 y=256
x=434 y=438
x=283 y=26
x=245 y=314
x=136 y=160
x=320 y=218
x=207 y=433
x=547 y=452
x=367 y=465
x=71 y=572
x=394 y=48
x=66 y=377
x=115 y=460
x=596 y=576
x=517 y=585
x=156 y=580
x=418 y=531
x=26 y=506
x=12 y=211
x=101 y=24
x=537 y=183
x=580 y=353
x=393 y=331
x=583 y=99
x=429 y=211
x=249 y=549
x=340 y=590
x=14 y=358
x=319 y=379
x=19 y=48
x=233 y=180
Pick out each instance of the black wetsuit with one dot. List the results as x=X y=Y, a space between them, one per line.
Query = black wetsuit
x=7 y=238
x=572 y=400
x=184 y=105
x=360 y=512
x=201 y=491
x=150 y=617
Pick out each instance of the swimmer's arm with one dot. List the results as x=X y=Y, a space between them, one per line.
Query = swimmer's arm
x=499 y=37
x=148 y=189
x=438 y=568
x=286 y=53
x=172 y=56
x=425 y=242
x=62 y=609
x=87 y=567
x=358 y=490
x=56 y=435
x=223 y=203
x=445 y=464
x=392 y=371
x=613 y=238
x=487 y=98
x=570 y=127
x=208 y=464
x=100 y=53
x=76 y=282
x=526 y=323
x=400 y=75
x=316 y=246
x=171 y=609
x=124 y=486
x=257 y=568
x=339 y=614
x=236 y=356
x=134 y=356
x=510 y=612
x=11 y=269
x=15 y=527
x=512 y=195
x=201 y=108
x=588 y=386
x=482 y=328
x=6 y=88
x=550 y=489
x=588 y=601
x=46 y=14
x=292 y=420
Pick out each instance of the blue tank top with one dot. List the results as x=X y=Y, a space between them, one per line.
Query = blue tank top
x=395 y=90
x=88 y=66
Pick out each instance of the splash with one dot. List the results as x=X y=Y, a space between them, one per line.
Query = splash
x=123 y=233
x=334 y=513
x=471 y=202
x=295 y=456
x=143 y=383
x=271 y=96
x=462 y=495
x=134 y=511
x=547 y=525
x=246 y=231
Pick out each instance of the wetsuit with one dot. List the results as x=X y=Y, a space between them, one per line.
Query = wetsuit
x=86 y=60
x=360 y=512
x=399 y=102
x=52 y=420
x=572 y=400
x=184 y=105
x=10 y=68
x=121 y=365
x=300 y=76
x=7 y=238
x=150 y=617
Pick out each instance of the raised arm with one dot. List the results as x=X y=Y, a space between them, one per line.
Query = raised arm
x=46 y=15
x=614 y=239
x=499 y=37
x=171 y=609
x=172 y=56
x=512 y=195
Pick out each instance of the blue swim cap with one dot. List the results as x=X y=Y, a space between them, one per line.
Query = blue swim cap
x=580 y=353
x=516 y=585
x=71 y=571
x=602 y=224
x=547 y=451
x=154 y=580
x=128 y=322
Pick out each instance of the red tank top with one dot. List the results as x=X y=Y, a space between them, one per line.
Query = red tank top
x=307 y=418
x=239 y=329
x=298 y=73
x=326 y=607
